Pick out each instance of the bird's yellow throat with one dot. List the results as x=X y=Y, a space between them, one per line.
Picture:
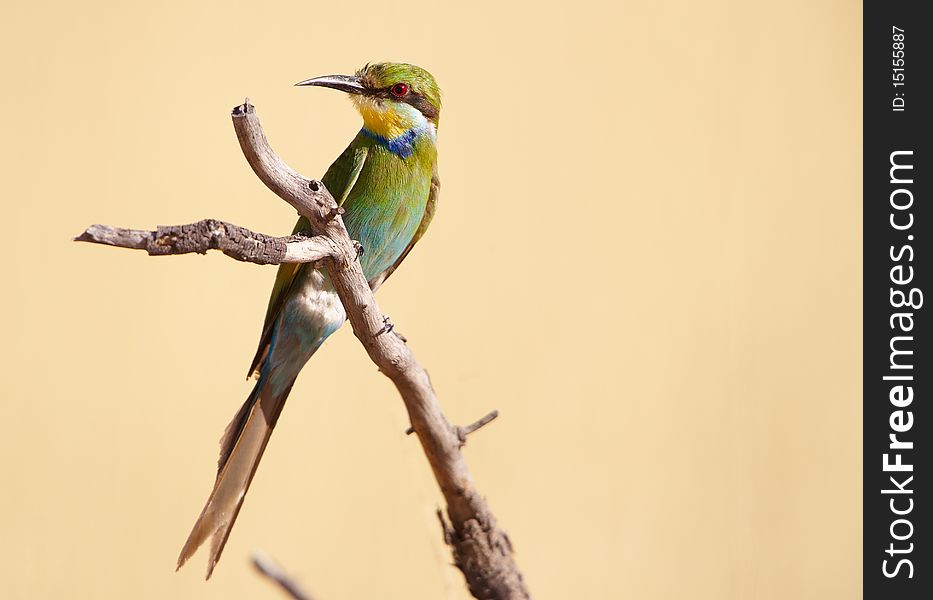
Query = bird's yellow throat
x=388 y=119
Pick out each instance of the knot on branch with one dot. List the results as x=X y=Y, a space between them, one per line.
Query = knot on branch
x=333 y=212
x=483 y=553
x=210 y=234
x=330 y=210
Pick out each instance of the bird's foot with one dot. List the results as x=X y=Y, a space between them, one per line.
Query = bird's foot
x=388 y=326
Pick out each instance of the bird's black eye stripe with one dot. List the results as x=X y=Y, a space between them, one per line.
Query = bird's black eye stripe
x=423 y=106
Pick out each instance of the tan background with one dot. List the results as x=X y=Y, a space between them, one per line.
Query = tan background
x=647 y=256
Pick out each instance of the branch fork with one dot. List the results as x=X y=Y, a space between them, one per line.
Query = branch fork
x=481 y=550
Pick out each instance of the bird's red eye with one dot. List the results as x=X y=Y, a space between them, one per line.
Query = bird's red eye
x=399 y=90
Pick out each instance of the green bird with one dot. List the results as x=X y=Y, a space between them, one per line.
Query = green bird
x=386 y=180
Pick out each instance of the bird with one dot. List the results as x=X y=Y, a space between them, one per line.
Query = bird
x=386 y=181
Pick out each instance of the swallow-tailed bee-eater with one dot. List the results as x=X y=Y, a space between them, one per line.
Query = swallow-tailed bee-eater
x=386 y=181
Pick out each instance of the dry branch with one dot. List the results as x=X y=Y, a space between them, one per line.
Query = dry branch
x=271 y=569
x=480 y=549
x=209 y=234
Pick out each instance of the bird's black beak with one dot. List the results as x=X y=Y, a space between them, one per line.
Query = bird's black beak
x=345 y=83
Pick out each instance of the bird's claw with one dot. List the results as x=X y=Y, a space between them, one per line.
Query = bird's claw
x=388 y=326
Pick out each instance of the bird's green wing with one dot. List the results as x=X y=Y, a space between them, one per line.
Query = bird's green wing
x=429 y=209
x=346 y=176
x=339 y=180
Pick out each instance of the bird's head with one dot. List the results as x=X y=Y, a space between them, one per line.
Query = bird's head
x=393 y=98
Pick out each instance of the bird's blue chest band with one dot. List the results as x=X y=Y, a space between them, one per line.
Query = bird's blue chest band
x=402 y=145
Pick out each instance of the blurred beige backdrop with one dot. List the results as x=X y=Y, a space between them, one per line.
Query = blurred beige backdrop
x=647 y=256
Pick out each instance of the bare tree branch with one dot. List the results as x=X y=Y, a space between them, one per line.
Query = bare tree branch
x=271 y=569
x=480 y=548
x=463 y=432
x=210 y=234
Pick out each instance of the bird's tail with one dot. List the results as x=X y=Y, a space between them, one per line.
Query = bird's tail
x=241 y=448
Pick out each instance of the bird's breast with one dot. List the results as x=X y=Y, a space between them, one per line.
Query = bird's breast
x=387 y=204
